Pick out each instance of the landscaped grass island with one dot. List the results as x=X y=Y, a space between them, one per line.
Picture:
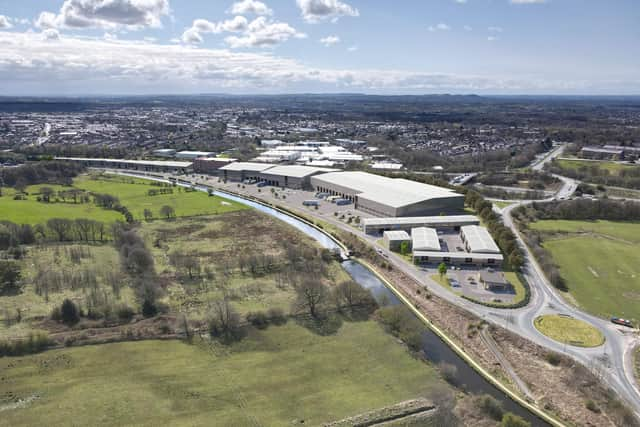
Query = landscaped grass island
x=568 y=330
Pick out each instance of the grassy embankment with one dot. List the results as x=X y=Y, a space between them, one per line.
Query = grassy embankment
x=599 y=261
x=569 y=330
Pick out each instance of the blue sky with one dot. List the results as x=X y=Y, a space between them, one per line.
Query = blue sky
x=74 y=47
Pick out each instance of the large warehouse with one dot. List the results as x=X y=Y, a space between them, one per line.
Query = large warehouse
x=384 y=196
x=291 y=176
x=138 y=165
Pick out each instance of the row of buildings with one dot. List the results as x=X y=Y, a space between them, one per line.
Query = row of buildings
x=427 y=247
x=610 y=152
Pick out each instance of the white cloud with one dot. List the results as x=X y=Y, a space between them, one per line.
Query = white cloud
x=107 y=14
x=30 y=64
x=495 y=29
x=353 y=48
x=468 y=28
x=314 y=11
x=527 y=1
x=330 y=40
x=245 y=7
x=439 y=27
x=5 y=22
x=51 y=34
x=492 y=38
x=193 y=35
x=264 y=33
x=460 y=1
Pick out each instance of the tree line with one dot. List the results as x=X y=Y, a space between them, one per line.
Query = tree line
x=58 y=172
x=504 y=237
x=628 y=177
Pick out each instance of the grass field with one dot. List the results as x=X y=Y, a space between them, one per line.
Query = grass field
x=132 y=193
x=282 y=376
x=613 y=167
x=31 y=211
x=599 y=261
x=569 y=330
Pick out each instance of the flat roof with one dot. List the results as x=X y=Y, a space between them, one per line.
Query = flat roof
x=425 y=239
x=479 y=239
x=297 y=171
x=246 y=166
x=194 y=153
x=168 y=163
x=394 y=192
x=458 y=255
x=421 y=220
x=217 y=159
x=397 y=235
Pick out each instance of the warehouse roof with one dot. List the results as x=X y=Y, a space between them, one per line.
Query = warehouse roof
x=423 y=220
x=397 y=235
x=395 y=192
x=133 y=162
x=296 y=171
x=479 y=239
x=425 y=239
x=246 y=166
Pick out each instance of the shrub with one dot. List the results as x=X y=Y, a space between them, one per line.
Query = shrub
x=34 y=344
x=259 y=319
x=125 y=313
x=553 y=358
x=149 y=308
x=277 y=316
x=490 y=406
x=69 y=313
x=449 y=372
x=512 y=420
x=591 y=405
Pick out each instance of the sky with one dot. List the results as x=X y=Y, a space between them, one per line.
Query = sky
x=501 y=47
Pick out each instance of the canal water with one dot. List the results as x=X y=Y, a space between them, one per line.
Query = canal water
x=435 y=350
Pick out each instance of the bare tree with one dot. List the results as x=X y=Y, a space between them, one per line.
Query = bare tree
x=224 y=320
x=351 y=295
x=167 y=211
x=311 y=297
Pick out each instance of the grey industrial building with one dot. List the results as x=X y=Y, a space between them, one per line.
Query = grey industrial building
x=390 y=197
x=457 y=258
x=291 y=176
x=478 y=240
x=394 y=239
x=424 y=239
x=239 y=171
x=211 y=165
x=451 y=222
x=137 y=165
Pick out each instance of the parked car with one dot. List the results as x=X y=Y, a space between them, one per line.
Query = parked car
x=622 y=322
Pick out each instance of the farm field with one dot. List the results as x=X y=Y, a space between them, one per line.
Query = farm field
x=599 y=261
x=132 y=193
x=276 y=377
